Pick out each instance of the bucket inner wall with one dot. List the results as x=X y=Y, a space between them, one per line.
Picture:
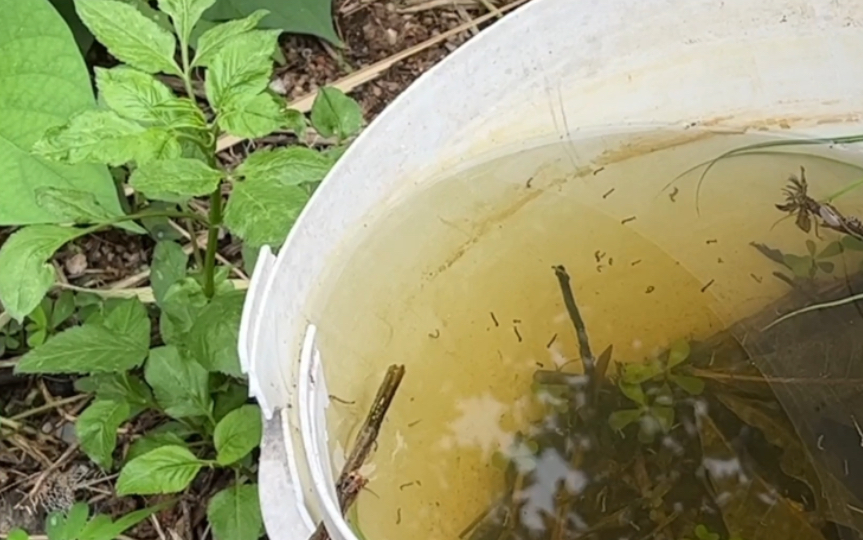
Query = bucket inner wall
x=455 y=281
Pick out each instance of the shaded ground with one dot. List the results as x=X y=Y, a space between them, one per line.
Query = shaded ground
x=40 y=465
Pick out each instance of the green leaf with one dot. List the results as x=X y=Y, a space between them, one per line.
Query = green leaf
x=17 y=534
x=691 y=385
x=852 y=243
x=117 y=387
x=296 y=121
x=105 y=529
x=104 y=137
x=118 y=343
x=830 y=250
x=632 y=391
x=291 y=166
x=55 y=526
x=73 y=205
x=76 y=519
x=678 y=353
x=234 y=396
x=169 y=267
x=64 y=308
x=215 y=333
x=97 y=426
x=152 y=441
x=618 y=420
x=241 y=69
x=180 y=384
x=134 y=95
x=250 y=119
x=237 y=434
x=235 y=513
x=39 y=54
x=664 y=416
x=261 y=211
x=639 y=373
x=168 y=469
x=181 y=304
x=185 y=14
x=129 y=36
x=25 y=274
x=213 y=40
x=800 y=266
x=293 y=16
x=180 y=177
x=810 y=247
x=826 y=266
x=334 y=114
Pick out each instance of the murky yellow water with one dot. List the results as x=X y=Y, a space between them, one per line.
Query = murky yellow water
x=456 y=283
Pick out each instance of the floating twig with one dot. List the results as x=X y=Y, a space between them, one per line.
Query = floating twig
x=587 y=359
x=350 y=481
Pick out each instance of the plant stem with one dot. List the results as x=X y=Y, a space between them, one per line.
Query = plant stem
x=187 y=70
x=212 y=242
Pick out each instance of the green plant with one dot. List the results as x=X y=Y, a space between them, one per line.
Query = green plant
x=807 y=266
x=664 y=368
x=190 y=372
x=654 y=411
x=77 y=524
x=47 y=318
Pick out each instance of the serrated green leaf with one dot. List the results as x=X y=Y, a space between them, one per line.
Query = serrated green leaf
x=180 y=384
x=296 y=121
x=261 y=211
x=118 y=387
x=291 y=166
x=182 y=302
x=237 y=434
x=212 y=41
x=294 y=16
x=235 y=513
x=618 y=420
x=214 y=334
x=180 y=177
x=39 y=54
x=117 y=343
x=169 y=469
x=241 y=69
x=130 y=36
x=97 y=136
x=133 y=94
x=151 y=441
x=25 y=273
x=97 y=427
x=250 y=119
x=334 y=114
x=73 y=205
x=105 y=529
x=185 y=14
x=678 y=353
x=169 y=267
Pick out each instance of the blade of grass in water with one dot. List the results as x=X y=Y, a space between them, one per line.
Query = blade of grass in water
x=761 y=148
x=814 y=307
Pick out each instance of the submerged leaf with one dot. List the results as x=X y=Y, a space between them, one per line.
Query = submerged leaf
x=678 y=353
x=618 y=420
x=751 y=508
x=691 y=385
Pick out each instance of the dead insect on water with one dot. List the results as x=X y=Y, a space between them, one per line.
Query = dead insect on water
x=798 y=202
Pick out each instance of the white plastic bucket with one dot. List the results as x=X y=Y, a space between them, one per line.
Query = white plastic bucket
x=553 y=69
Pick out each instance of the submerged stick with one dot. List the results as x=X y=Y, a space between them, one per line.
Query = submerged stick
x=587 y=358
x=350 y=481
